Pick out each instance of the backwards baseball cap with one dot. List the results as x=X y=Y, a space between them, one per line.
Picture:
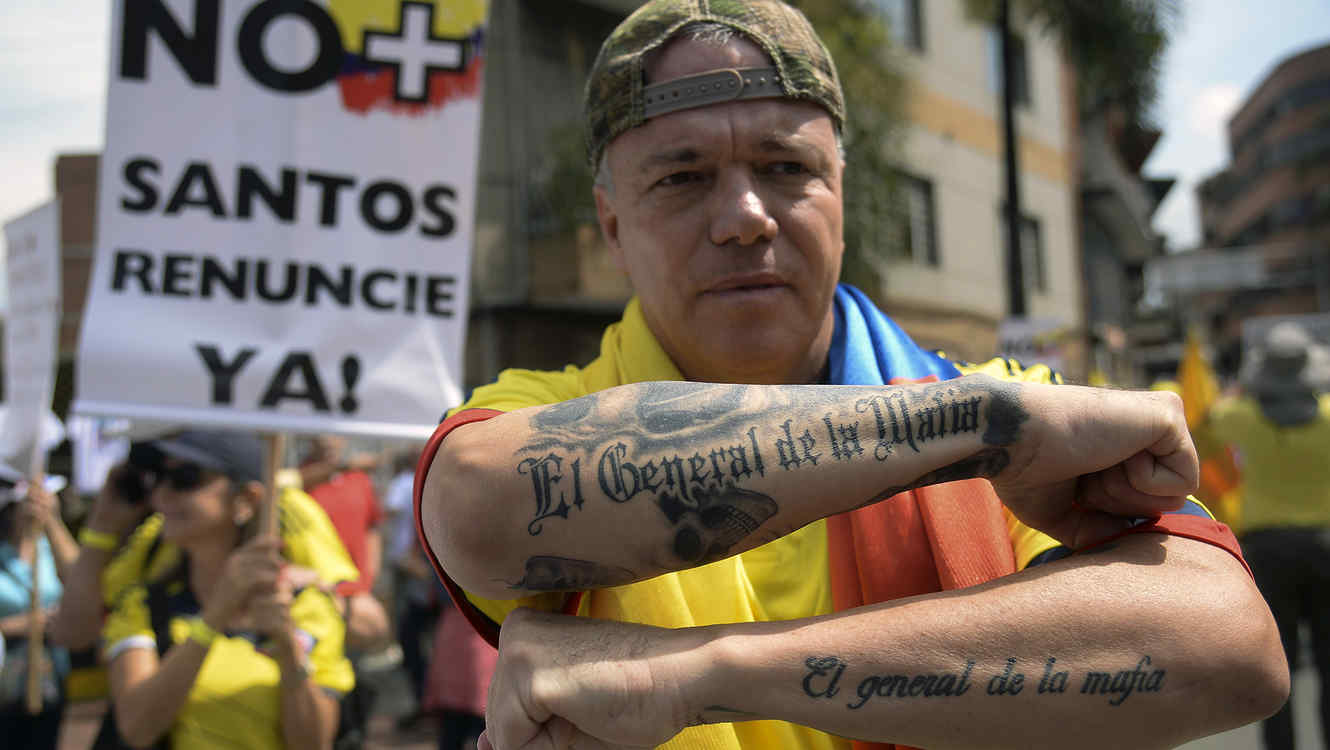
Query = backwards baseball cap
x=236 y=454
x=618 y=99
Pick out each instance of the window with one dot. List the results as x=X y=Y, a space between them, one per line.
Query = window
x=905 y=21
x=1032 y=250
x=1020 y=66
x=915 y=230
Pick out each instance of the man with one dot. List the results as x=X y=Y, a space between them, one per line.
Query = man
x=1281 y=427
x=703 y=528
x=347 y=495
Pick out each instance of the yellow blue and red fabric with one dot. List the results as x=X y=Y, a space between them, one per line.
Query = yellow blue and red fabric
x=933 y=539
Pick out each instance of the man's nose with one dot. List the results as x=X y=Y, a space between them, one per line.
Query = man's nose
x=739 y=214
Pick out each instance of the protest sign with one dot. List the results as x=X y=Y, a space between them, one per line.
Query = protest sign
x=286 y=210
x=32 y=325
x=1034 y=341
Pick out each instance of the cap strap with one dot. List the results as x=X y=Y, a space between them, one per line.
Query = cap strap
x=717 y=86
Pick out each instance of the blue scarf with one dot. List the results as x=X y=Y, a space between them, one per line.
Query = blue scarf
x=868 y=348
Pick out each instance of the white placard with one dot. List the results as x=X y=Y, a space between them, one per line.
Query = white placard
x=32 y=329
x=286 y=210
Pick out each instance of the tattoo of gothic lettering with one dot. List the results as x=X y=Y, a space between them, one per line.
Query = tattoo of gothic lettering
x=823 y=675
x=550 y=573
x=911 y=417
x=546 y=473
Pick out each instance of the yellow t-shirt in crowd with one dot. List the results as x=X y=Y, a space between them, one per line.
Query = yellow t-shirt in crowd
x=1285 y=470
x=235 y=701
x=757 y=585
x=308 y=539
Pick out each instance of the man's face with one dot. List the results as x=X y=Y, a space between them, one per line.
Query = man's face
x=727 y=219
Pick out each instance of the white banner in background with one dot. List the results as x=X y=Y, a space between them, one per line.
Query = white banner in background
x=32 y=329
x=287 y=203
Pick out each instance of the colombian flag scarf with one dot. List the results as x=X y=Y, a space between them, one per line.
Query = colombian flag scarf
x=937 y=538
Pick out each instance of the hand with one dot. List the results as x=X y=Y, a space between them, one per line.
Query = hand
x=270 y=612
x=252 y=569
x=40 y=508
x=569 y=682
x=301 y=577
x=112 y=512
x=1090 y=459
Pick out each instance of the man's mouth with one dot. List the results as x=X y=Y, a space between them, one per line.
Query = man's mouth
x=753 y=283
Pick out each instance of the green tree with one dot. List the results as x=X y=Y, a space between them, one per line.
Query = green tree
x=1116 y=46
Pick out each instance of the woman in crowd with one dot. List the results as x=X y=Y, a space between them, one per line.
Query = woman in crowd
x=26 y=509
x=221 y=651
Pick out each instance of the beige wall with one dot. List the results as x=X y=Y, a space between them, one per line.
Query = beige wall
x=954 y=141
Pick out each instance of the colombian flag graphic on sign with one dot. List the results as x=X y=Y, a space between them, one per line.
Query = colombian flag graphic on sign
x=409 y=56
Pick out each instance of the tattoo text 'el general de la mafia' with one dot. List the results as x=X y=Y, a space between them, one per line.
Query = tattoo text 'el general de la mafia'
x=825 y=676
x=706 y=493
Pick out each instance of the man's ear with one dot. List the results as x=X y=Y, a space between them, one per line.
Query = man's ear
x=609 y=226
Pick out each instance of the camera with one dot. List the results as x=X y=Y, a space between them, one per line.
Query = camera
x=135 y=479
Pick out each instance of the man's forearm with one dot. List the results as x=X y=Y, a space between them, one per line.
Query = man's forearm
x=638 y=480
x=1148 y=645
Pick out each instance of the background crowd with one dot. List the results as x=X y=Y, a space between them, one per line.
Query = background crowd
x=169 y=617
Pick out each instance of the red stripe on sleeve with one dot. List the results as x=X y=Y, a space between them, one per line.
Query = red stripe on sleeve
x=1189 y=526
x=487 y=628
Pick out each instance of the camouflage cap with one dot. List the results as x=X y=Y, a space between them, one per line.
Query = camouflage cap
x=618 y=99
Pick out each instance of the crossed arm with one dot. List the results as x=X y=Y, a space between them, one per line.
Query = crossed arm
x=643 y=479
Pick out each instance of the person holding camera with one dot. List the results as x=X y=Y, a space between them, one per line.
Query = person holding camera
x=24 y=508
x=221 y=649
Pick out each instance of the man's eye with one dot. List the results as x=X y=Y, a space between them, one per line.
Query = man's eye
x=786 y=168
x=679 y=178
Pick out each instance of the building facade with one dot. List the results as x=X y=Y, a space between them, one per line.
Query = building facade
x=953 y=295
x=1265 y=218
x=1276 y=189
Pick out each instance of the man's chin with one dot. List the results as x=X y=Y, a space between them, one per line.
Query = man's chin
x=748 y=357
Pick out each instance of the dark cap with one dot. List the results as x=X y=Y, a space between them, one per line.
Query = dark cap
x=618 y=99
x=238 y=455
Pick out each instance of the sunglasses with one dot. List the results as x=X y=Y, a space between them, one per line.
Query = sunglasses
x=184 y=477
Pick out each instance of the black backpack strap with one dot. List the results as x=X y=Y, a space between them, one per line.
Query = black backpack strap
x=159 y=615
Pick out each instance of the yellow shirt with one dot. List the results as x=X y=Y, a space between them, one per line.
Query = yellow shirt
x=235 y=701
x=750 y=587
x=1285 y=470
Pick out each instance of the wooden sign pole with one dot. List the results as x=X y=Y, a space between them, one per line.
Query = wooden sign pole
x=36 y=623
x=276 y=453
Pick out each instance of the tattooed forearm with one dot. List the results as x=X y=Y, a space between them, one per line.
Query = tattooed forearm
x=955 y=407
x=549 y=573
x=825 y=676
x=700 y=452
x=985 y=464
x=716 y=523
